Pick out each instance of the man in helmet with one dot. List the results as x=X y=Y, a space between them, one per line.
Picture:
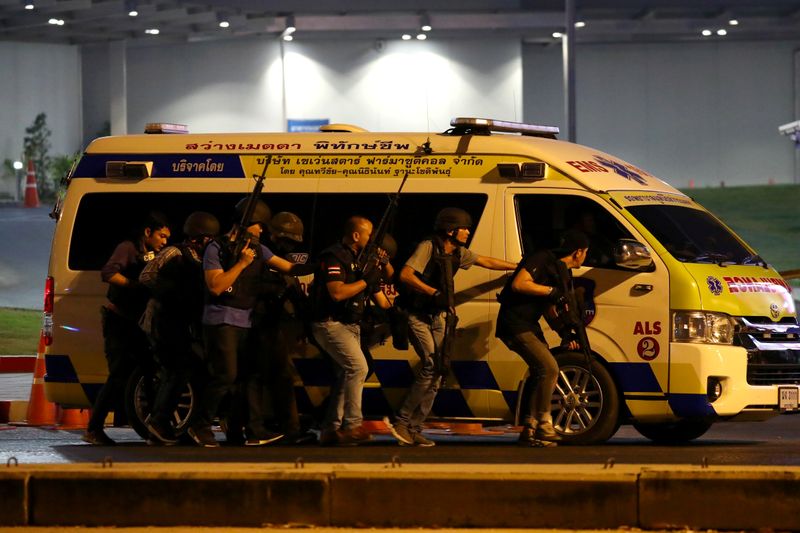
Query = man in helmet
x=536 y=286
x=124 y=343
x=428 y=280
x=337 y=308
x=280 y=311
x=172 y=318
x=231 y=291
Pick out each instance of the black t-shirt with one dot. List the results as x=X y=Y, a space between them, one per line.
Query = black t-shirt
x=521 y=312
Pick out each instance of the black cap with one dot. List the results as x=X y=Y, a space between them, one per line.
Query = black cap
x=571 y=240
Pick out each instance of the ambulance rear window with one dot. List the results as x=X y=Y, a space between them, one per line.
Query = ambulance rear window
x=106 y=219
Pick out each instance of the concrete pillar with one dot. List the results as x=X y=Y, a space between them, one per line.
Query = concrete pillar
x=118 y=87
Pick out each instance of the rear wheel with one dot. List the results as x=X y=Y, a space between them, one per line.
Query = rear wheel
x=139 y=397
x=674 y=432
x=585 y=405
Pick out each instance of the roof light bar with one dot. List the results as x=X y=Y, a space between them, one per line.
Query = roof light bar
x=165 y=127
x=505 y=126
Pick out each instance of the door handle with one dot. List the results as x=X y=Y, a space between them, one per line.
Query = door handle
x=642 y=287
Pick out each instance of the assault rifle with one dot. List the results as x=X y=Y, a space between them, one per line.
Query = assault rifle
x=443 y=353
x=570 y=314
x=368 y=257
x=243 y=238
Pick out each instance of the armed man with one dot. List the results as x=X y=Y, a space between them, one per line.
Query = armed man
x=539 y=287
x=231 y=289
x=124 y=342
x=282 y=309
x=172 y=319
x=428 y=279
x=340 y=292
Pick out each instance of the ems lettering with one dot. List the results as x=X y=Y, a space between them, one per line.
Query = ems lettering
x=645 y=328
x=587 y=166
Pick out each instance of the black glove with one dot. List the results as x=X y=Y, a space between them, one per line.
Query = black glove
x=440 y=300
x=373 y=279
x=556 y=296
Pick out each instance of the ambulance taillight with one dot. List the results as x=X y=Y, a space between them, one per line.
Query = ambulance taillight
x=47 y=318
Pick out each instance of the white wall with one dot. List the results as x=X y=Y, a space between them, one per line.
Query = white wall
x=237 y=85
x=39 y=78
x=218 y=86
x=707 y=112
x=404 y=86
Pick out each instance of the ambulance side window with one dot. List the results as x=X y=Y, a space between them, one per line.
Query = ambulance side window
x=104 y=220
x=543 y=218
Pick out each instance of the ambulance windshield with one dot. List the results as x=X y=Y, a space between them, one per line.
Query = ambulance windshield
x=692 y=235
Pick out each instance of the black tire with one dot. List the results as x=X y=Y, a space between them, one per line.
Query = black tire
x=139 y=396
x=585 y=405
x=678 y=432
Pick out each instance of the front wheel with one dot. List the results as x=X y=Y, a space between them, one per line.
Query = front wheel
x=585 y=405
x=674 y=432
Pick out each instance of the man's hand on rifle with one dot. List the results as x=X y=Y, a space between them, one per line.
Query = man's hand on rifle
x=372 y=276
x=247 y=256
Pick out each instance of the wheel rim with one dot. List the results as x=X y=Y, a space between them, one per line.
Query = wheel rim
x=577 y=401
x=143 y=403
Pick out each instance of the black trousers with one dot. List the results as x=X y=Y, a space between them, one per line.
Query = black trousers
x=126 y=347
x=226 y=346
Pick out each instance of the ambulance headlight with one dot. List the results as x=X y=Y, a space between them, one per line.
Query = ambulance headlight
x=702 y=327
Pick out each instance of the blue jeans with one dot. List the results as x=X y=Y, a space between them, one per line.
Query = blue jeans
x=426 y=333
x=343 y=343
x=543 y=376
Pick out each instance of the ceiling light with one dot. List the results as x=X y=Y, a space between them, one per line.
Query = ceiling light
x=706 y=33
x=56 y=22
x=131 y=7
x=722 y=32
x=580 y=24
x=425 y=22
x=421 y=36
x=29 y=6
x=152 y=31
x=290 y=25
x=557 y=35
x=733 y=22
x=18 y=165
x=406 y=37
x=288 y=38
x=224 y=24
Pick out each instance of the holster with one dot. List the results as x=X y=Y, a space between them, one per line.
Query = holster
x=398 y=324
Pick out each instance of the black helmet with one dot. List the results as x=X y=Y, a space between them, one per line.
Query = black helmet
x=389 y=245
x=200 y=224
x=261 y=213
x=287 y=225
x=451 y=218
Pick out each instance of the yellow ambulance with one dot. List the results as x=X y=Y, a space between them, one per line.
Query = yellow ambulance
x=688 y=325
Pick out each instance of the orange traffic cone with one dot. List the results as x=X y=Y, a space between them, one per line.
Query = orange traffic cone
x=31 y=194
x=72 y=418
x=40 y=411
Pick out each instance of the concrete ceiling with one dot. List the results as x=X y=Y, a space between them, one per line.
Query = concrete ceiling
x=97 y=21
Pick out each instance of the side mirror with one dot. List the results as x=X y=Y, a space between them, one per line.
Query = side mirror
x=633 y=255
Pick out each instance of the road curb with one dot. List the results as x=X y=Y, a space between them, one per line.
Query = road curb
x=764 y=500
x=541 y=496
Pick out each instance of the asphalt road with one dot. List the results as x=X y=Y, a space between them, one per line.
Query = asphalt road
x=25 y=237
x=772 y=443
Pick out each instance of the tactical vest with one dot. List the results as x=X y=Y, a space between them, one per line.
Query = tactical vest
x=435 y=274
x=130 y=301
x=243 y=293
x=323 y=307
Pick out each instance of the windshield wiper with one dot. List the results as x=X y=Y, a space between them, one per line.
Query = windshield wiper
x=714 y=257
x=754 y=260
